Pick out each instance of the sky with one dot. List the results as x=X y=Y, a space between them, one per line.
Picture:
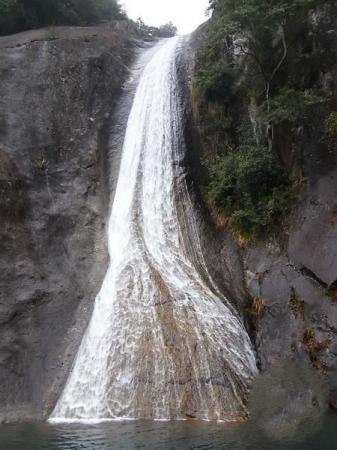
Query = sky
x=185 y=14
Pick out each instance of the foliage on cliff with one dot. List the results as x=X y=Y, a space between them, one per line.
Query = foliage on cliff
x=167 y=30
x=19 y=15
x=260 y=77
x=250 y=188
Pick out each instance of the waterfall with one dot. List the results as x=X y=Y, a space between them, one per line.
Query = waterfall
x=162 y=342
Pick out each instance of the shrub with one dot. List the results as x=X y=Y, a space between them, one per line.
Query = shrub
x=291 y=105
x=330 y=132
x=250 y=188
x=215 y=82
x=314 y=348
x=331 y=126
x=167 y=30
x=296 y=305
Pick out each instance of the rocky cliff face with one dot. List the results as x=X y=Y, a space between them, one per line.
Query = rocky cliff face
x=291 y=280
x=61 y=128
x=59 y=89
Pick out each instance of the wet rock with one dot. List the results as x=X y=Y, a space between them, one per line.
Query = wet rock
x=313 y=236
x=222 y=254
x=287 y=400
x=58 y=92
x=293 y=277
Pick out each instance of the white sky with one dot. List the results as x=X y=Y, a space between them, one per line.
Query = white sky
x=185 y=14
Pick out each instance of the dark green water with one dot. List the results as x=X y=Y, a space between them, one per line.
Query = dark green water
x=170 y=436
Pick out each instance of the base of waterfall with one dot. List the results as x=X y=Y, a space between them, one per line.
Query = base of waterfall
x=60 y=421
x=93 y=422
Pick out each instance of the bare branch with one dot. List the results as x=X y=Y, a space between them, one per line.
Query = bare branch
x=285 y=52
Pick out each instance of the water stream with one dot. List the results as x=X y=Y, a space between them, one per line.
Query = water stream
x=162 y=342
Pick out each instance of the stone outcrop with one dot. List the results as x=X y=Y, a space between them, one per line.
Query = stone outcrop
x=291 y=280
x=59 y=90
x=61 y=129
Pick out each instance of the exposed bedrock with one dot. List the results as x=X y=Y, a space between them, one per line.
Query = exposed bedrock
x=291 y=280
x=59 y=98
x=61 y=128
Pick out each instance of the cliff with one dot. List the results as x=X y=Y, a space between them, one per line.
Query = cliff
x=61 y=129
x=290 y=270
x=59 y=98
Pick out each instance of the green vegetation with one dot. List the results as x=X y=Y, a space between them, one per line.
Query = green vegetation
x=331 y=126
x=257 y=80
x=166 y=30
x=291 y=105
x=330 y=131
x=296 y=305
x=250 y=188
x=19 y=15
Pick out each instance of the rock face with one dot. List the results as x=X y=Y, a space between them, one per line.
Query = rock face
x=58 y=92
x=62 y=125
x=296 y=283
x=291 y=281
x=59 y=100
x=222 y=254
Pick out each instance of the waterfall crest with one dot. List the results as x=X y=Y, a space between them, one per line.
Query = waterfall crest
x=162 y=343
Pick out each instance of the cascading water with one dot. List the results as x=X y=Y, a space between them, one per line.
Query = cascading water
x=162 y=342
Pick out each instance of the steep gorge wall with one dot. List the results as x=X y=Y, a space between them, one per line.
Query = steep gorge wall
x=58 y=92
x=291 y=278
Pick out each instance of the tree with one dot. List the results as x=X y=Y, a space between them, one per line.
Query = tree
x=261 y=27
x=256 y=81
x=19 y=15
x=168 y=30
x=261 y=30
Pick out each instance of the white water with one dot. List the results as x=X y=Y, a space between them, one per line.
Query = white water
x=161 y=344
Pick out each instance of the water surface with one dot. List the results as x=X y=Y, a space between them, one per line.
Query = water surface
x=167 y=436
